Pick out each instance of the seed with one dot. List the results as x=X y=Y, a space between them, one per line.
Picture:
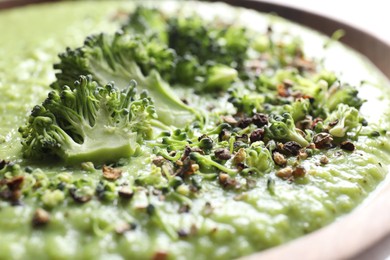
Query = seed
x=111 y=174
x=279 y=159
x=40 y=218
x=285 y=173
x=324 y=159
x=299 y=171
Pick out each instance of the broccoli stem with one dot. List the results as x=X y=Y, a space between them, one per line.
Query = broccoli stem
x=207 y=161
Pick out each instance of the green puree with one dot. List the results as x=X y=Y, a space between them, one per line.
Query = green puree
x=90 y=216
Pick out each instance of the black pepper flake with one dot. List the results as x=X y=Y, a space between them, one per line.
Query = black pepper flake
x=222 y=154
x=182 y=233
x=260 y=119
x=323 y=140
x=292 y=148
x=125 y=192
x=150 y=209
x=3 y=163
x=244 y=122
x=78 y=197
x=242 y=138
x=28 y=169
x=257 y=135
x=347 y=146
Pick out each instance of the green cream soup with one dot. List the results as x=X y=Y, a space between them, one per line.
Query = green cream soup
x=49 y=210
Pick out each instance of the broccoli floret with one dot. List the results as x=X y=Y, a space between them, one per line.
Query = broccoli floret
x=219 y=77
x=298 y=109
x=344 y=94
x=88 y=123
x=147 y=21
x=342 y=120
x=246 y=103
x=122 y=57
x=259 y=157
x=208 y=77
x=282 y=128
x=193 y=35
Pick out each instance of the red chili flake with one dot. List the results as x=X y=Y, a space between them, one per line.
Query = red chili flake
x=282 y=90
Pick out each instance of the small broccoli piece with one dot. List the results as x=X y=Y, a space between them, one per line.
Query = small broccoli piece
x=329 y=77
x=206 y=162
x=246 y=103
x=344 y=94
x=342 y=120
x=208 y=77
x=282 y=128
x=122 y=57
x=259 y=157
x=219 y=77
x=147 y=21
x=298 y=109
x=153 y=178
x=88 y=123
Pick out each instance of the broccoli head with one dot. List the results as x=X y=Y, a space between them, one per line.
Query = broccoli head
x=282 y=128
x=342 y=120
x=121 y=58
x=88 y=123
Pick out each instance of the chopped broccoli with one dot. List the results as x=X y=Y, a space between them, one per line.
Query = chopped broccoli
x=88 y=123
x=259 y=157
x=246 y=103
x=298 y=109
x=344 y=94
x=147 y=21
x=342 y=120
x=122 y=57
x=282 y=128
x=193 y=35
